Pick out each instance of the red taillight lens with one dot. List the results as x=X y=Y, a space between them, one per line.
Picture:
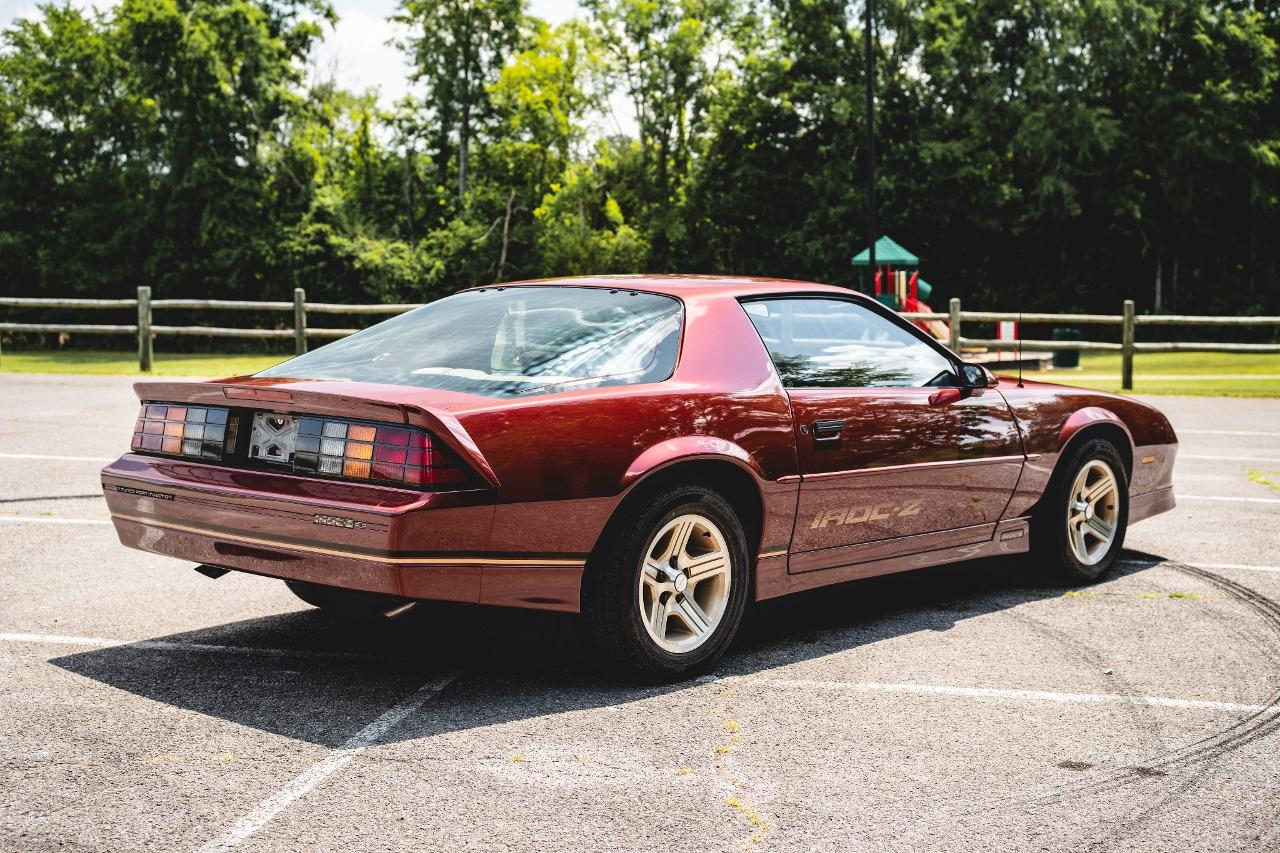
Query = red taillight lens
x=383 y=454
x=196 y=432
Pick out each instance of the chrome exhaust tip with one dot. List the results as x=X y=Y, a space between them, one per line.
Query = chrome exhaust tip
x=399 y=609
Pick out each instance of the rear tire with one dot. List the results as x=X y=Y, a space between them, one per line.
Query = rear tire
x=665 y=592
x=1079 y=530
x=350 y=603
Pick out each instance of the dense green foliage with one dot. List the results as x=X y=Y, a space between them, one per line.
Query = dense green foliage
x=1064 y=152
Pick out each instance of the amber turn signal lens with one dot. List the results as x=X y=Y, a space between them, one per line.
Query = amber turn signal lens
x=355 y=468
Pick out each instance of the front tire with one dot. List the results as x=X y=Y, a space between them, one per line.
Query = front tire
x=1080 y=529
x=665 y=594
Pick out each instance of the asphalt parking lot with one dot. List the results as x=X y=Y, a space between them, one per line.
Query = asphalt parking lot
x=145 y=707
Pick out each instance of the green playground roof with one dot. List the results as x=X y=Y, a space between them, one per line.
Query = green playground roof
x=887 y=252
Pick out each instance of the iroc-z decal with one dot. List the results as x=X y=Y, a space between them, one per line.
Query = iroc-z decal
x=860 y=514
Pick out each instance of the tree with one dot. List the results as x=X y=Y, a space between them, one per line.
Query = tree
x=458 y=47
x=666 y=57
x=133 y=151
x=583 y=230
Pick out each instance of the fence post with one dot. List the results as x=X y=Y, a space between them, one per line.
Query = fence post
x=144 y=329
x=299 y=321
x=955 y=324
x=1126 y=342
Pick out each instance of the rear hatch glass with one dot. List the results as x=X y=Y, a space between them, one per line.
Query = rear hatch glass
x=511 y=341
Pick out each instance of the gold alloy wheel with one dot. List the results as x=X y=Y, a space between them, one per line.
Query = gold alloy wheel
x=1093 y=512
x=684 y=583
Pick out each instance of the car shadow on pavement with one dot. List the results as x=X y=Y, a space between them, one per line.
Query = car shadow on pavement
x=308 y=676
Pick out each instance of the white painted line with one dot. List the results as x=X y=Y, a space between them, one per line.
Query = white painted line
x=1224 y=498
x=1017 y=695
x=50 y=519
x=1228 y=432
x=59 y=640
x=1235 y=566
x=173 y=646
x=1243 y=567
x=59 y=458
x=335 y=761
x=1069 y=379
x=1263 y=459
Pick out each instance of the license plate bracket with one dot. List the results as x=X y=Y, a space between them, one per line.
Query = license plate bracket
x=274 y=437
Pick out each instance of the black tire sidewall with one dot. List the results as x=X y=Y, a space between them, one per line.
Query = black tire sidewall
x=613 y=600
x=1053 y=520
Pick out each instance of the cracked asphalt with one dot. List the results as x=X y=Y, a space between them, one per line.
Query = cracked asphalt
x=146 y=707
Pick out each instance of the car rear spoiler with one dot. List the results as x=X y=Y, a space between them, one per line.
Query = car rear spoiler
x=244 y=392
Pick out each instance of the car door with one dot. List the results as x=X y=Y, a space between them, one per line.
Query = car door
x=895 y=455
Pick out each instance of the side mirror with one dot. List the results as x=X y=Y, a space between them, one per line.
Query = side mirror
x=977 y=376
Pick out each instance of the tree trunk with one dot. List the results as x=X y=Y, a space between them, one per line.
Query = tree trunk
x=464 y=148
x=408 y=189
x=506 y=237
x=1159 y=271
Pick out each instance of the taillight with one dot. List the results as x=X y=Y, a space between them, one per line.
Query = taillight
x=361 y=451
x=196 y=432
x=300 y=444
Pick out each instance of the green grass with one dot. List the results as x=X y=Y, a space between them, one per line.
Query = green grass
x=202 y=365
x=1211 y=374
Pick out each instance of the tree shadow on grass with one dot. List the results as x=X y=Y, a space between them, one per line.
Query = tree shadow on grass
x=310 y=677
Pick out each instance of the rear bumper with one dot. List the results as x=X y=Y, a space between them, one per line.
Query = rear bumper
x=398 y=542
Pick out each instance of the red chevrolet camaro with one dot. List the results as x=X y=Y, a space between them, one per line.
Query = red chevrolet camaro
x=651 y=451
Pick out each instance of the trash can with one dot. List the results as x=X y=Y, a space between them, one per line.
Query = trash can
x=1066 y=358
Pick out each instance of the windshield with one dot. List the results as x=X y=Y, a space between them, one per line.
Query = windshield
x=508 y=342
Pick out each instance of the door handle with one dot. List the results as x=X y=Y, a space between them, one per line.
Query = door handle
x=828 y=430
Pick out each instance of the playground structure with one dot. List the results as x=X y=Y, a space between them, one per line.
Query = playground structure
x=896 y=283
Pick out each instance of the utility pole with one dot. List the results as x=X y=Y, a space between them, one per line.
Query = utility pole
x=871 y=137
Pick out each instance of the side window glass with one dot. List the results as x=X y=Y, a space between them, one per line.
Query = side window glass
x=832 y=343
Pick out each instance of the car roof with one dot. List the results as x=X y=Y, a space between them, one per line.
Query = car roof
x=685 y=286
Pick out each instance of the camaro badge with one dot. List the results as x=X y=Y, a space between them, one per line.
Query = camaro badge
x=339 y=521
x=857 y=515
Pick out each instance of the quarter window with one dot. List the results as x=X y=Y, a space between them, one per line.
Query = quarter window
x=834 y=343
